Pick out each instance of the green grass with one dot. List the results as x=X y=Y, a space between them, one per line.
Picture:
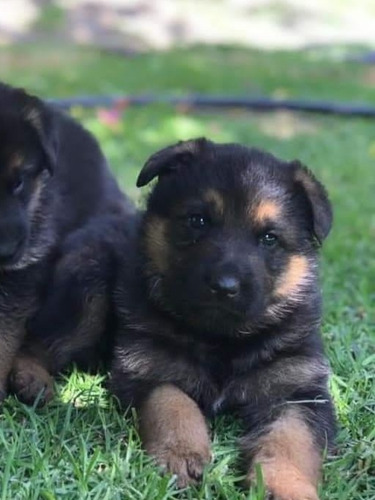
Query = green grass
x=82 y=446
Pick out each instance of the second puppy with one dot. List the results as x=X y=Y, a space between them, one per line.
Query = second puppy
x=62 y=215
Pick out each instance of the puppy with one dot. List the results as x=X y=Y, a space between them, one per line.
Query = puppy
x=219 y=307
x=56 y=196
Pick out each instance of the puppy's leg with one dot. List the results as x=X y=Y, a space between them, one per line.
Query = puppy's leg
x=70 y=324
x=174 y=431
x=289 y=456
x=10 y=340
x=30 y=377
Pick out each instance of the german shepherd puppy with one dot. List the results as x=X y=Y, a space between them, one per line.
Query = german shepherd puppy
x=57 y=200
x=219 y=308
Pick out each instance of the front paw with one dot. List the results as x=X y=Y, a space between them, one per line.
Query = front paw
x=297 y=492
x=286 y=486
x=174 y=432
x=31 y=383
x=185 y=461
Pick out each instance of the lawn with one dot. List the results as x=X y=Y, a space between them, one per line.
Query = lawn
x=82 y=446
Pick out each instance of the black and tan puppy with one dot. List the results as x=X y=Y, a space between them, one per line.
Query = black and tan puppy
x=57 y=201
x=219 y=310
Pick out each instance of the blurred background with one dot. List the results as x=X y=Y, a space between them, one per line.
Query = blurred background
x=138 y=25
x=277 y=49
x=282 y=49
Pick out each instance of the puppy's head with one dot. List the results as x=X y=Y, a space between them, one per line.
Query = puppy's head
x=230 y=234
x=27 y=153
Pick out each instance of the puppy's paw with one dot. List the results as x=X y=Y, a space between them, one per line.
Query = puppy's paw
x=186 y=462
x=174 y=432
x=295 y=492
x=30 y=382
x=286 y=486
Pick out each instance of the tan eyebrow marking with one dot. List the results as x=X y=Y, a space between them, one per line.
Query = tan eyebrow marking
x=265 y=210
x=214 y=197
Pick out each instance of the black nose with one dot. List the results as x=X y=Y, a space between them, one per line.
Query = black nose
x=226 y=286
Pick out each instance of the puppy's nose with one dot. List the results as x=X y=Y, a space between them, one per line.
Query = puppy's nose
x=225 y=285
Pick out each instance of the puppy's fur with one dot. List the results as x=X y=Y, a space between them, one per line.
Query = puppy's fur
x=57 y=197
x=219 y=309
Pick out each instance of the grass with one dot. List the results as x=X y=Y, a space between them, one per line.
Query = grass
x=82 y=446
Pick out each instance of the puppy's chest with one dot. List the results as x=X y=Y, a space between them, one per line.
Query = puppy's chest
x=215 y=376
x=231 y=374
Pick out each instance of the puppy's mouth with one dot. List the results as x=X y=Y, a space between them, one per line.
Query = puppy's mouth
x=216 y=316
x=219 y=309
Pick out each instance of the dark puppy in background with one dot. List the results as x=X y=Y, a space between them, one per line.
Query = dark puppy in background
x=219 y=310
x=60 y=208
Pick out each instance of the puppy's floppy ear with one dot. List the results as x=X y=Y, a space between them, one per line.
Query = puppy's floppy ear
x=42 y=120
x=170 y=159
x=317 y=196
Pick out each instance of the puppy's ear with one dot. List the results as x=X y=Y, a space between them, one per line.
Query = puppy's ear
x=170 y=159
x=318 y=199
x=42 y=120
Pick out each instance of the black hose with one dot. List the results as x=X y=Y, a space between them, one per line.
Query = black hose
x=221 y=102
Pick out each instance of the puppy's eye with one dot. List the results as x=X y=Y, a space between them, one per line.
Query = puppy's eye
x=17 y=186
x=268 y=239
x=197 y=221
